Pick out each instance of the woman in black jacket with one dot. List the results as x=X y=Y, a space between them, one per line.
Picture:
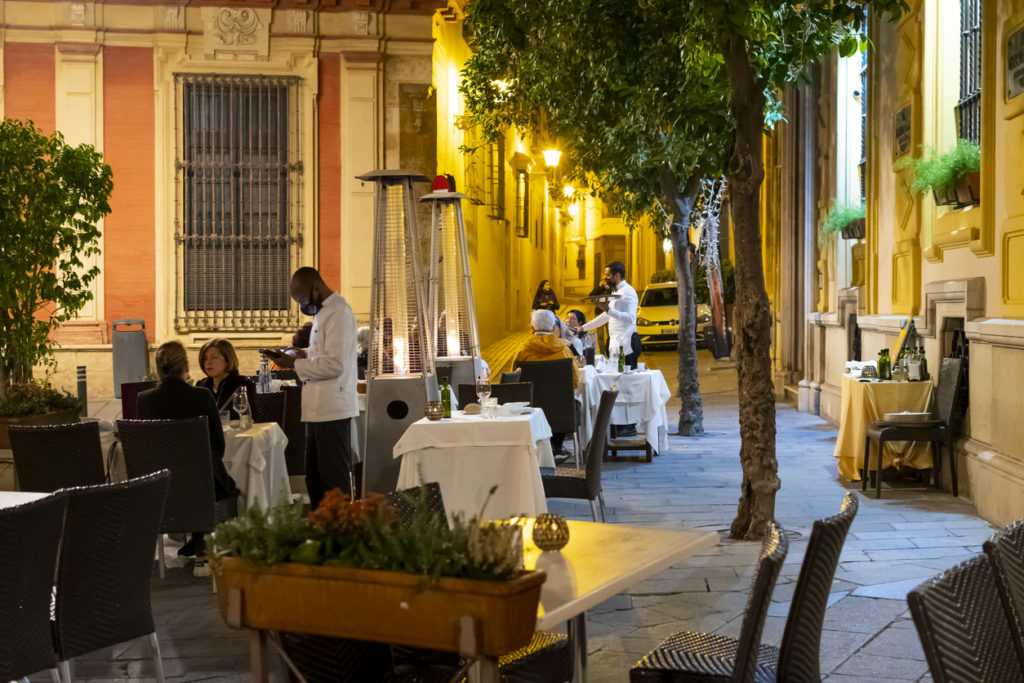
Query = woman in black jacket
x=545 y=297
x=219 y=363
x=174 y=399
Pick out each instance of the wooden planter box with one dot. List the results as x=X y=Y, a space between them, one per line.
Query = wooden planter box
x=947 y=198
x=59 y=417
x=855 y=229
x=968 y=190
x=386 y=607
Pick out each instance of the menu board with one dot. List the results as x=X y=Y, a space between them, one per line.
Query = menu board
x=901 y=132
x=1015 y=64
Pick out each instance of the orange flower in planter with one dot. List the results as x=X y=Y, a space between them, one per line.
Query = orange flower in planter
x=337 y=512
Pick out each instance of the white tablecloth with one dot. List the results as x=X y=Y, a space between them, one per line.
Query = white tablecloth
x=467 y=455
x=641 y=401
x=586 y=389
x=255 y=460
x=9 y=499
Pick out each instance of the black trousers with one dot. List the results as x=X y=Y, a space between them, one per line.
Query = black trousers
x=328 y=458
x=635 y=347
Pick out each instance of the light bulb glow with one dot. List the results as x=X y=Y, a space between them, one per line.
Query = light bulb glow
x=401 y=356
x=568 y=191
x=573 y=210
x=551 y=157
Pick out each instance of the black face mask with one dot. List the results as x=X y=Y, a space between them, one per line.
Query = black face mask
x=611 y=283
x=310 y=308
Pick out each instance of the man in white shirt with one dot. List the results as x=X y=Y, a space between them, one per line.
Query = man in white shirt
x=620 y=316
x=327 y=370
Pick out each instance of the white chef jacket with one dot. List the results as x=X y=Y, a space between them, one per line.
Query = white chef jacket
x=620 y=318
x=328 y=372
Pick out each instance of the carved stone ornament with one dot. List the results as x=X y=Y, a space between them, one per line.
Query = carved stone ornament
x=240 y=33
x=77 y=14
x=301 y=21
x=172 y=17
x=362 y=23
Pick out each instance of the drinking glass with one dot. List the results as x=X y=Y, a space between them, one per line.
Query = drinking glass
x=241 y=406
x=483 y=389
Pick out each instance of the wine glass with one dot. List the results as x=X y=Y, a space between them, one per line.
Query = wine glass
x=241 y=405
x=483 y=389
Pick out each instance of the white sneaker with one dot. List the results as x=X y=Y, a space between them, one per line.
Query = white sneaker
x=201 y=568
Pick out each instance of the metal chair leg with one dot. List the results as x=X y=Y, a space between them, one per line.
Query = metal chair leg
x=600 y=499
x=952 y=466
x=65 y=671
x=54 y=676
x=160 y=554
x=593 y=509
x=878 y=471
x=865 y=465
x=158 y=662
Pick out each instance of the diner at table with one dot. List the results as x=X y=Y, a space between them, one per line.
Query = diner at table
x=643 y=394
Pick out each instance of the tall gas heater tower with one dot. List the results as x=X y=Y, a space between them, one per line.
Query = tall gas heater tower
x=451 y=309
x=400 y=366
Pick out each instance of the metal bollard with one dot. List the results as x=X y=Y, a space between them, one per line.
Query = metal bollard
x=83 y=393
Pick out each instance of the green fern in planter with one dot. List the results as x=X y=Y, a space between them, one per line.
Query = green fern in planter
x=838 y=217
x=940 y=173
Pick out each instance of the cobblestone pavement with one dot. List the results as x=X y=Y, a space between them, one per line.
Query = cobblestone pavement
x=909 y=535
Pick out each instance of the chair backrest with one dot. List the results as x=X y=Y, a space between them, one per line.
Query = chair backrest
x=511 y=377
x=106 y=560
x=594 y=453
x=962 y=626
x=50 y=457
x=1006 y=551
x=403 y=502
x=295 y=430
x=947 y=392
x=30 y=533
x=270 y=407
x=769 y=562
x=183 y=447
x=800 y=654
x=466 y=394
x=130 y=396
x=521 y=392
x=552 y=391
x=284 y=374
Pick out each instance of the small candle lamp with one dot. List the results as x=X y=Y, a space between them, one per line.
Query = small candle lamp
x=550 y=532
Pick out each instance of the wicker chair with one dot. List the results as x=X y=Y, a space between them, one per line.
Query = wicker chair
x=511 y=377
x=26 y=585
x=585 y=484
x=130 y=395
x=183 y=447
x=553 y=392
x=271 y=407
x=521 y=392
x=51 y=457
x=103 y=574
x=295 y=430
x=963 y=627
x=938 y=431
x=690 y=656
x=1006 y=551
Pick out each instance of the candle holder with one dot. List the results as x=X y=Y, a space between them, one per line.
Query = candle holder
x=434 y=410
x=550 y=532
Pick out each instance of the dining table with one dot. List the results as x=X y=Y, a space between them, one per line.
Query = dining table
x=468 y=455
x=866 y=401
x=254 y=458
x=10 y=499
x=642 y=397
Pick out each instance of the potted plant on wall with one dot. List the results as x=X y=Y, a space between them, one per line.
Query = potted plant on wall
x=845 y=218
x=52 y=196
x=954 y=178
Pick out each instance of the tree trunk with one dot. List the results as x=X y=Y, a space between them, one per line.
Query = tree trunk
x=753 y=338
x=691 y=410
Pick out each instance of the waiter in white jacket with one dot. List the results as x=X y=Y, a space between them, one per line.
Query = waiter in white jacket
x=327 y=370
x=620 y=316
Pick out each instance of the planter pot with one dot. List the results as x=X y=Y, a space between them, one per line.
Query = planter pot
x=945 y=198
x=855 y=229
x=968 y=190
x=386 y=607
x=58 y=417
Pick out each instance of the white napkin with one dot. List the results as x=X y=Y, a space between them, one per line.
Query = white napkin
x=514 y=408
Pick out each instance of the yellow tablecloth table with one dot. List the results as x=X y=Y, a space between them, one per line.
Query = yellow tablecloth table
x=867 y=402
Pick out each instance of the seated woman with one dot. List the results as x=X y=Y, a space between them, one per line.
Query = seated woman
x=219 y=363
x=574 y=320
x=174 y=399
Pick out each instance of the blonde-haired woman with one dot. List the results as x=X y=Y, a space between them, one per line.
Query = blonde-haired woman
x=219 y=363
x=174 y=399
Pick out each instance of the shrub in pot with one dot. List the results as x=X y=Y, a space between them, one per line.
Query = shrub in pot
x=845 y=218
x=954 y=178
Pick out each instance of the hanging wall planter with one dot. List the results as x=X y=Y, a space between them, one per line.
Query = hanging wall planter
x=968 y=190
x=855 y=229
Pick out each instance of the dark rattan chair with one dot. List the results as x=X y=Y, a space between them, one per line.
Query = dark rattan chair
x=106 y=560
x=130 y=396
x=554 y=393
x=30 y=535
x=271 y=407
x=963 y=628
x=511 y=377
x=520 y=392
x=1006 y=551
x=690 y=656
x=295 y=430
x=939 y=431
x=51 y=457
x=183 y=447
x=567 y=482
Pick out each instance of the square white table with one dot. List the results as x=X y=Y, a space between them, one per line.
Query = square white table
x=468 y=454
x=641 y=401
x=254 y=458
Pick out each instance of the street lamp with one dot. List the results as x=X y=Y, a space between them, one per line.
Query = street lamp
x=551 y=157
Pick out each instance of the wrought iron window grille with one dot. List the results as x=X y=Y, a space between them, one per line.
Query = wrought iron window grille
x=968 y=108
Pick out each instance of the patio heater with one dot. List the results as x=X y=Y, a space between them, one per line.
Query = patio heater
x=451 y=310
x=400 y=369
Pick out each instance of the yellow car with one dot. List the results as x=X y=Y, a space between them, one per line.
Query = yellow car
x=657 y=318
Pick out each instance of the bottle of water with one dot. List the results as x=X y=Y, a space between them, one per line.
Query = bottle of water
x=263 y=377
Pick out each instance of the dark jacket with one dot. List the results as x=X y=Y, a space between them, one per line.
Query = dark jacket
x=545 y=300
x=173 y=399
x=224 y=393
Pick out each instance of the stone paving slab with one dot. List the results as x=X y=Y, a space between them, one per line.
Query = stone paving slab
x=912 y=533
